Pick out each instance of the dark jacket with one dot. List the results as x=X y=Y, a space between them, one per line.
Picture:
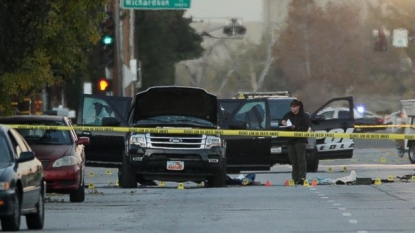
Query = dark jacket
x=300 y=121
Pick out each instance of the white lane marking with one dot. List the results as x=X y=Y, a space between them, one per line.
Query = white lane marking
x=351 y=221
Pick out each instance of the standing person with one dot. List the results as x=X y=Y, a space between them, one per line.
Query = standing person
x=297 y=120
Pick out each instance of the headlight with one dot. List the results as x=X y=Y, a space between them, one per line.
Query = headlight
x=138 y=139
x=213 y=141
x=65 y=161
x=4 y=185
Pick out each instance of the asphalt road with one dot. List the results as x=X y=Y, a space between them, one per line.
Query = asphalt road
x=385 y=207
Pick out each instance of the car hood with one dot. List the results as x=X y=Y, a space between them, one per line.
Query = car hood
x=51 y=151
x=179 y=101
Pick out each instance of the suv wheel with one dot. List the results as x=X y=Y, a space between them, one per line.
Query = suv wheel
x=312 y=160
x=218 y=180
x=411 y=154
x=128 y=178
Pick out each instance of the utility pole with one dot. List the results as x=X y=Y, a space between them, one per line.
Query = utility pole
x=118 y=50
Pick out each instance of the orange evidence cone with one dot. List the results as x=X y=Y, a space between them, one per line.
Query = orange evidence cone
x=314 y=182
x=268 y=183
x=287 y=183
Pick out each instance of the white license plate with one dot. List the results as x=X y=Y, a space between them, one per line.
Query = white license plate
x=276 y=150
x=175 y=165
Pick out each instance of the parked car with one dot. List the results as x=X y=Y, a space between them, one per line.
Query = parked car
x=22 y=184
x=60 y=151
x=261 y=153
x=365 y=118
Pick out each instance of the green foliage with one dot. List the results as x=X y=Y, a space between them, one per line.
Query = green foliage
x=44 y=42
x=164 y=38
x=74 y=25
x=21 y=30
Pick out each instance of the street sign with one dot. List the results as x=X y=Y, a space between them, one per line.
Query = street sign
x=156 y=4
x=400 y=38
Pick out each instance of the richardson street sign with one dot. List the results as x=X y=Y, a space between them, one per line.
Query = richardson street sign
x=156 y=4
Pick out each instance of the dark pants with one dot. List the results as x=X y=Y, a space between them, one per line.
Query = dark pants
x=296 y=152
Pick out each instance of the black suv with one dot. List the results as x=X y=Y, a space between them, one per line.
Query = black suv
x=172 y=157
x=263 y=111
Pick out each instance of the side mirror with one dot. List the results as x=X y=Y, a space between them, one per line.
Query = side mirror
x=83 y=141
x=319 y=118
x=110 y=121
x=26 y=156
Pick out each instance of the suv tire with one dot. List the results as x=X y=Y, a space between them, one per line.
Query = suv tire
x=312 y=160
x=128 y=177
x=411 y=153
x=218 y=180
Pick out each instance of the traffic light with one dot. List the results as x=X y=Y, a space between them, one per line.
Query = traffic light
x=380 y=41
x=38 y=107
x=104 y=85
x=107 y=42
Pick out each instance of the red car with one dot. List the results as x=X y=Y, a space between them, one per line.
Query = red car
x=60 y=151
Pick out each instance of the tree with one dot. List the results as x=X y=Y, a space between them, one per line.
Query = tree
x=164 y=38
x=399 y=14
x=46 y=44
x=323 y=48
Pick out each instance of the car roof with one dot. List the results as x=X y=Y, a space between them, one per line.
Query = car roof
x=4 y=127
x=268 y=95
x=282 y=98
x=23 y=118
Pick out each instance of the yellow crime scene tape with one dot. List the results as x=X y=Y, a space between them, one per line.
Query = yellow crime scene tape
x=224 y=132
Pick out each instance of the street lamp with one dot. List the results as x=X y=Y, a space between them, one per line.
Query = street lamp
x=234 y=30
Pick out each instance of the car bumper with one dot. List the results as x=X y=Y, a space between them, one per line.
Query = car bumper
x=7 y=202
x=63 y=179
x=197 y=164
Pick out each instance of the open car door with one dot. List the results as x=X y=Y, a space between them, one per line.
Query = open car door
x=246 y=153
x=329 y=147
x=105 y=148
